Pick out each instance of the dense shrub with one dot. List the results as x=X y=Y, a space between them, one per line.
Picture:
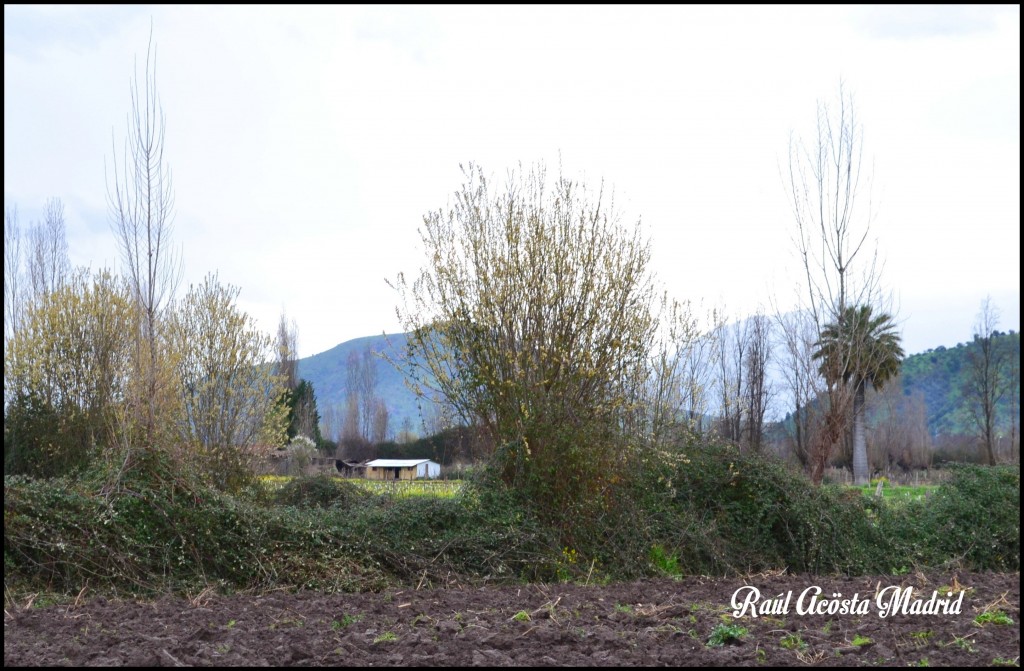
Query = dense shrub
x=43 y=441
x=697 y=509
x=974 y=518
x=156 y=534
x=320 y=491
x=971 y=521
x=468 y=537
x=153 y=535
x=727 y=511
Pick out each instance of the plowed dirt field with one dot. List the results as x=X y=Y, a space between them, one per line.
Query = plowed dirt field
x=656 y=623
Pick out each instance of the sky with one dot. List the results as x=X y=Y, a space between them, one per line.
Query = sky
x=307 y=143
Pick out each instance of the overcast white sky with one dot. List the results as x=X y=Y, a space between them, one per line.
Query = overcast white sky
x=307 y=143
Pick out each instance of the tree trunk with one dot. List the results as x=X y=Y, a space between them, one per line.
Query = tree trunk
x=860 y=447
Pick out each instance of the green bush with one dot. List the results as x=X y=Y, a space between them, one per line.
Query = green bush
x=156 y=531
x=41 y=440
x=490 y=537
x=974 y=519
x=320 y=491
x=726 y=511
x=735 y=512
x=698 y=509
x=149 y=534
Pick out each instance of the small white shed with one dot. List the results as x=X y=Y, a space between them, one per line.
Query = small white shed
x=402 y=469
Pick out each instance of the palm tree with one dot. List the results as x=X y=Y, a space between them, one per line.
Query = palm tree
x=865 y=349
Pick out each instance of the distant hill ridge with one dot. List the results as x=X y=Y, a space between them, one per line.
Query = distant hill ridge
x=938 y=374
x=328 y=372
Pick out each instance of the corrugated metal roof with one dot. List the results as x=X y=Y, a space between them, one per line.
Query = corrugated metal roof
x=396 y=463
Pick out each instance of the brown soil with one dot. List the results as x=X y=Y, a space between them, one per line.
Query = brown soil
x=657 y=622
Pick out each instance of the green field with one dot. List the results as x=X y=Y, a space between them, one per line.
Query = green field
x=394 y=488
x=399 y=488
x=899 y=492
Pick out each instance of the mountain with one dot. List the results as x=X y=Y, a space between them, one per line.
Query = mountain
x=328 y=373
x=938 y=374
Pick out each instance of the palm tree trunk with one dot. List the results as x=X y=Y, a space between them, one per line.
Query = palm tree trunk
x=860 y=447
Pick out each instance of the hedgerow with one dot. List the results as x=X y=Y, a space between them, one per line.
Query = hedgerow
x=694 y=509
x=710 y=509
x=974 y=519
x=154 y=535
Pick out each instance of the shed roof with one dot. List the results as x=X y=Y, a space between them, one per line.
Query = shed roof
x=396 y=463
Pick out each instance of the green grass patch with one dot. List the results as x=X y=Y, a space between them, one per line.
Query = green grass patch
x=345 y=621
x=404 y=488
x=964 y=643
x=896 y=493
x=726 y=633
x=665 y=562
x=793 y=642
x=993 y=617
x=393 y=488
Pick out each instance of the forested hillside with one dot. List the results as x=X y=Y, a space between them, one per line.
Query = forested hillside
x=942 y=376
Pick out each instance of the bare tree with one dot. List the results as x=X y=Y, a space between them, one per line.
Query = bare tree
x=366 y=379
x=698 y=369
x=677 y=395
x=40 y=268
x=32 y=273
x=365 y=418
x=987 y=377
x=380 y=421
x=803 y=381
x=354 y=426
x=48 y=262
x=744 y=351
x=141 y=203
x=732 y=348
x=901 y=441
x=14 y=290
x=841 y=271
x=287 y=352
x=351 y=430
x=405 y=433
x=358 y=413
x=758 y=390
x=332 y=422
x=436 y=414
